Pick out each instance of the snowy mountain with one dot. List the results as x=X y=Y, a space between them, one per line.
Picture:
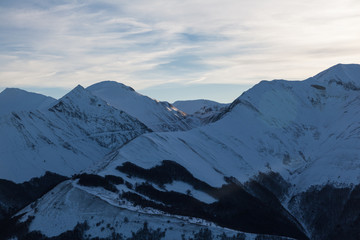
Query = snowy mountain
x=15 y=100
x=159 y=116
x=342 y=74
x=282 y=159
x=202 y=109
x=70 y=135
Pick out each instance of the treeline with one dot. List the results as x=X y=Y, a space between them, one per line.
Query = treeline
x=20 y=230
x=15 y=196
x=250 y=207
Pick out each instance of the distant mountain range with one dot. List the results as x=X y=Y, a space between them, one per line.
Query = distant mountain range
x=202 y=109
x=282 y=161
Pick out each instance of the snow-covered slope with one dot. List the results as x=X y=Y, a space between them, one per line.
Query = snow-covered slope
x=14 y=100
x=294 y=128
x=70 y=204
x=159 y=116
x=70 y=135
x=306 y=131
x=282 y=159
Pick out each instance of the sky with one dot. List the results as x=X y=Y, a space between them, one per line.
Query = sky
x=173 y=50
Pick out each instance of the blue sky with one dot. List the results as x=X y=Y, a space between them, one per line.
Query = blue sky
x=173 y=49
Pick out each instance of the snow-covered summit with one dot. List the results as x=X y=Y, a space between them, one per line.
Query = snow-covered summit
x=15 y=99
x=291 y=127
x=282 y=102
x=159 y=116
x=342 y=74
x=80 y=100
x=73 y=133
x=110 y=85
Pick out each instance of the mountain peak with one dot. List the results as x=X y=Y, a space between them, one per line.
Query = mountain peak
x=15 y=99
x=343 y=74
x=78 y=88
x=21 y=92
x=12 y=90
x=76 y=92
x=78 y=98
x=159 y=116
x=109 y=85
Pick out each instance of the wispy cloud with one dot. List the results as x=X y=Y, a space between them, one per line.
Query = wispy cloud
x=146 y=43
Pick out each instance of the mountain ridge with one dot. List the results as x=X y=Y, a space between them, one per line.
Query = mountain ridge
x=159 y=116
x=65 y=128
x=15 y=99
x=281 y=159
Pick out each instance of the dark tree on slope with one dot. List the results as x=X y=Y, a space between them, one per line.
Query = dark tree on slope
x=147 y=233
x=203 y=234
x=250 y=207
x=269 y=237
x=329 y=213
x=93 y=180
x=78 y=233
x=239 y=236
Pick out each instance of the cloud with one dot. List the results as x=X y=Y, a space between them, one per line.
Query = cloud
x=146 y=43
